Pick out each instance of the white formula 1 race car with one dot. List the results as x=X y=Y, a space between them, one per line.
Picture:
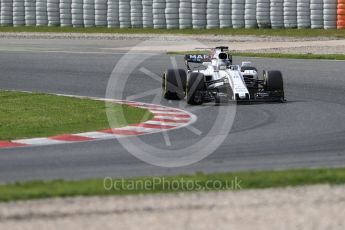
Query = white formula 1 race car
x=216 y=79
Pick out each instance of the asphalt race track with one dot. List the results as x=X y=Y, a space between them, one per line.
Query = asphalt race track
x=308 y=131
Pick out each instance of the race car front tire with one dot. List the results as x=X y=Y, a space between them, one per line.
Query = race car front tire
x=273 y=81
x=195 y=86
x=174 y=84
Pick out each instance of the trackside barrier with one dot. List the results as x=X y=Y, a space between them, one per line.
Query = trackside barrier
x=175 y=14
x=185 y=14
x=290 y=13
x=303 y=14
x=330 y=14
x=30 y=12
x=113 y=13
x=341 y=14
x=65 y=13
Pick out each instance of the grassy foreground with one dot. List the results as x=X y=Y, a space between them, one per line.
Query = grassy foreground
x=257 y=32
x=26 y=115
x=185 y=183
x=272 y=55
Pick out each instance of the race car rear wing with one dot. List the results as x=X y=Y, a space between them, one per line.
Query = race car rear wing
x=196 y=58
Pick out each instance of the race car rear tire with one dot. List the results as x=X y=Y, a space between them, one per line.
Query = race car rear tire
x=273 y=81
x=174 y=84
x=195 y=86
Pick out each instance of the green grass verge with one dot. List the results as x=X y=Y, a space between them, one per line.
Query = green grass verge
x=185 y=183
x=27 y=115
x=293 y=56
x=271 y=55
x=256 y=32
